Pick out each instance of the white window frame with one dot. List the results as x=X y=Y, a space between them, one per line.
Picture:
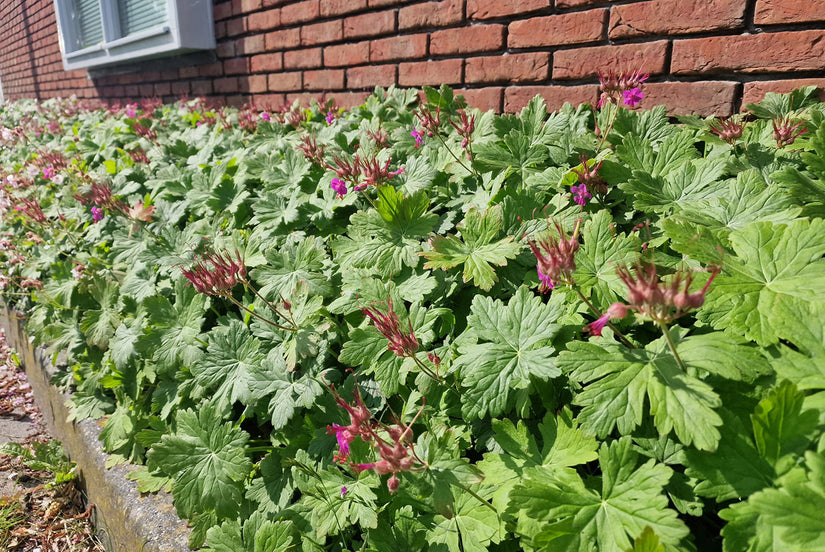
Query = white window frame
x=189 y=27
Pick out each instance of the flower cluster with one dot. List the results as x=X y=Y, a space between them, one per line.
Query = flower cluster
x=360 y=173
x=785 y=132
x=402 y=342
x=589 y=179
x=556 y=258
x=100 y=196
x=312 y=151
x=393 y=443
x=661 y=301
x=216 y=273
x=465 y=127
x=622 y=85
x=729 y=129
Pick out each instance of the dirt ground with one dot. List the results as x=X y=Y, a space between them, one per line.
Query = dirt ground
x=37 y=513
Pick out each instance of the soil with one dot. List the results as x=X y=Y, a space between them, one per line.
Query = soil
x=36 y=513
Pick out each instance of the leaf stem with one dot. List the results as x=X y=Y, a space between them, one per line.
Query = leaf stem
x=454 y=156
x=671 y=344
x=258 y=316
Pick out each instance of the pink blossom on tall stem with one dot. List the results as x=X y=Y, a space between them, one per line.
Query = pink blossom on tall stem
x=339 y=187
x=418 y=135
x=49 y=172
x=616 y=311
x=216 y=273
x=330 y=118
x=589 y=176
x=465 y=127
x=633 y=97
x=785 y=132
x=556 y=257
x=580 y=194
x=614 y=84
x=728 y=130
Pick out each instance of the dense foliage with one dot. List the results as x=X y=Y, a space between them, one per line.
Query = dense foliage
x=410 y=327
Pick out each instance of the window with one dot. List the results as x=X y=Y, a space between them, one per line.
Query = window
x=106 y=32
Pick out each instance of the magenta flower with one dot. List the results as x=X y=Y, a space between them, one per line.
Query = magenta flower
x=616 y=311
x=265 y=116
x=339 y=187
x=418 y=135
x=343 y=491
x=49 y=172
x=344 y=437
x=97 y=214
x=330 y=118
x=633 y=96
x=580 y=194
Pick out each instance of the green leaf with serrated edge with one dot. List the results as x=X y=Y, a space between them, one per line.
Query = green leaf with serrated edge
x=404 y=531
x=175 y=329
x=776 y=266
x=100 y=325
x=597 y=258
x=795 y=508
x=562 y=445
x=272 y=490
x=747 y=199
x=576 y=515
x=226 y=368
x=780 y=427
x=504 y=347
x=476 y=249
x=616 y=381
x=778 y=105
x=724 y=354
x=207 y=459
x=290 y=264
x=647 y=541
x=471 y=527
x=148 y=482
x=735 y=469
x=693 y=181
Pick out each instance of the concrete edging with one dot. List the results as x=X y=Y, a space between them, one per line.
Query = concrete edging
x=127 y=520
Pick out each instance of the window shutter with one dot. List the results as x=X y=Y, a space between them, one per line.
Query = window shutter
x=139 y=15
x=89 y=25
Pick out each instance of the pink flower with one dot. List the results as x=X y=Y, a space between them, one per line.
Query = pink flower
x=616 y=311
x=330 y=118
x=339 y=186
x=97 y=214
x=418 y=135
x=580 y=194
x=49 y=172
x=556 y=258
x=265 y=116
x=633 y=96
x=344 y=437
x=402 y=343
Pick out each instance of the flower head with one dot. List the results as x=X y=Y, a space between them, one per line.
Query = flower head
x=785 y=132
x=589 y=176
x=216 y=273
x=614 y=85
x=339 y=187
x=728 y=130
x=556 y=258
x=580 y=194
x=616 y=311
x=402 y=343
x=97 y=214
x=633 y=96
x=418 y=135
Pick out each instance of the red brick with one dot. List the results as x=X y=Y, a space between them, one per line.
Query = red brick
x=399 y=47
x=481 y=38
x=755 y=91
x=446 y=71
x=237 y=26
x=483 y=98
x=530 y=67
x=384 y=3
x=768 y=52
x=222 y=11
x=225 y=49
x=673 y=17
x=771 y=12
x=340 y=7
x=325 y=79
x=250 y=44
x=555 y=30
x=321 y=33
x=265 y=21
x=163 y=89
x=300 y=12
x=220 y=30
x=517 y=97
x=210 y=70
x=702 y=98
x=371 y=76
x=284 y=82
x=345 y=55
x=369 y=24
x=180 y=88
x=279 y=40
x=347 y=100
x=266 y=102
x=270 y=3
x=226 y=85
x=484 y=9
x=649 y=57
x=441 y=14
x=303 y=59
x=250 y=5
x=265 y=63
x=236 y=66
x=579 y=3
x=256 y=83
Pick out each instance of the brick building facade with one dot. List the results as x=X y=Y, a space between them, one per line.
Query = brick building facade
x=704 y=56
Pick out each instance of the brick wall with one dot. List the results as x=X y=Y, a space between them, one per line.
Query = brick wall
x=704 y=56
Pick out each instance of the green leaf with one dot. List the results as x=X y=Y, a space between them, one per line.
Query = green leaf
x=776 y=266
x=290 y=264
x=471 y=528
x=616 y=381
x=576 y=515
x=207 y=459
x=692 y=181
x=647 y=541
x=232 y=355
x=476 y=249
x=780 y=427
x=173 y=337
x=778 y=105
x=504 y=348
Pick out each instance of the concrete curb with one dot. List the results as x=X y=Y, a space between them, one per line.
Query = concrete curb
x=127 y=521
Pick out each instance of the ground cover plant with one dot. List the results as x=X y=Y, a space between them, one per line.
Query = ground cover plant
x=416 y=326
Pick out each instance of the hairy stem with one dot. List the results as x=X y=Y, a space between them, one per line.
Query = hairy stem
x=671 y=344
